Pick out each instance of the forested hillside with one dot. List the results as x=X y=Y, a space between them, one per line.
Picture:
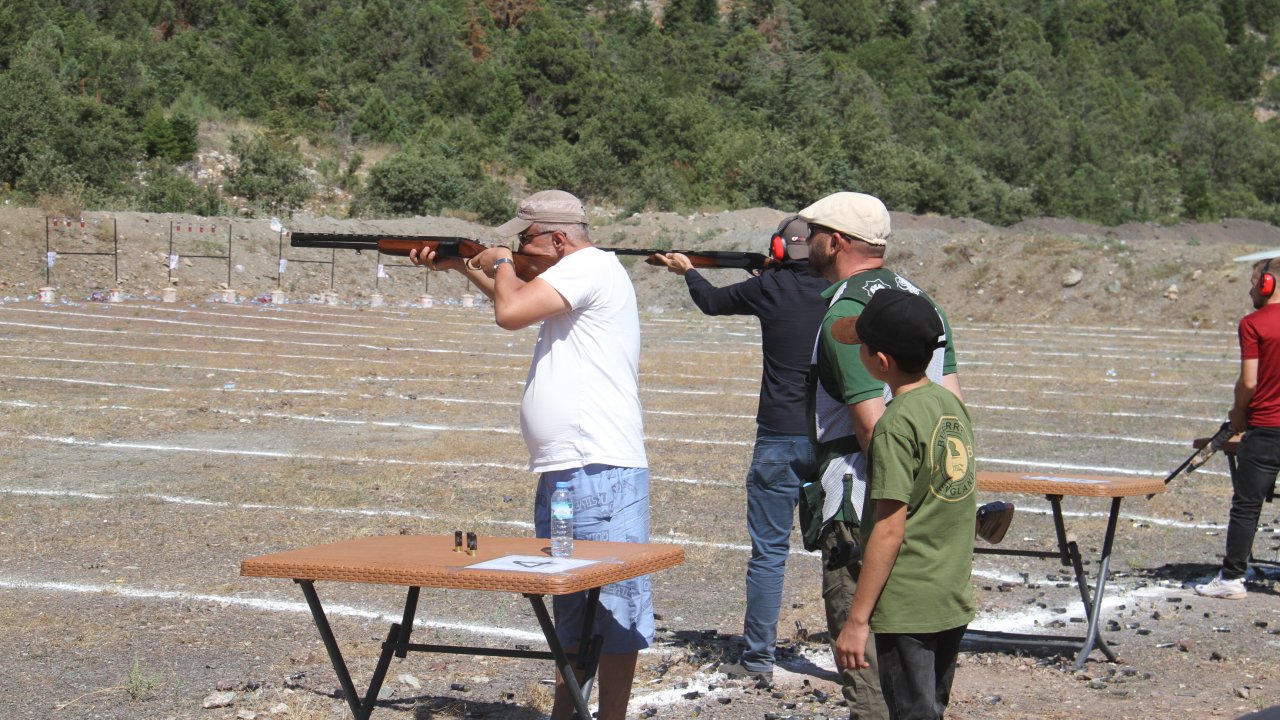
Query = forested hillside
x=1105 y=110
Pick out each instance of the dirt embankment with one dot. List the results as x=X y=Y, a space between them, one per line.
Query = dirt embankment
x=1042 y=269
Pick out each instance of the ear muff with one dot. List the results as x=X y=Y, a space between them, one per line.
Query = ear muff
x=777 y=248
x=1266 y=281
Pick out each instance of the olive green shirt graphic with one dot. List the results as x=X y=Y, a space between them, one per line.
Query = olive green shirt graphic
x=922 y=455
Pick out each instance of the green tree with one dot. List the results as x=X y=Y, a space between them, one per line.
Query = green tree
x=1233 y=19
x=376 y=120
x=269 y=172
x=1019 y=129
x=30 y=113
x=414 y=184
x=1199 y=201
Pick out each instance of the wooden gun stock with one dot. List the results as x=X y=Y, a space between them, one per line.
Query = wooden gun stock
x=527 y=267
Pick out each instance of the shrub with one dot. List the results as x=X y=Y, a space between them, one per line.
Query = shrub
x=410 y=184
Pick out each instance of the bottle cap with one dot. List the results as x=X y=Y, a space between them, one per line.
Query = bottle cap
x=562 y=485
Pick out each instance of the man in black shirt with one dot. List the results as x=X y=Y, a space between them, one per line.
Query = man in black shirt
x=788 y=301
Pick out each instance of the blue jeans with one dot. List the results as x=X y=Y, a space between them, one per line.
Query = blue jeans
x=610 y=504
x=773 y=485
x=1257 y=464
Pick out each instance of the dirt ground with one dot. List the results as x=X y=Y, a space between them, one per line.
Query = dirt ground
x=149 y=447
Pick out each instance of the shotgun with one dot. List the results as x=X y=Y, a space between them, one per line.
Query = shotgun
x=527 y=267
x=1201 y=456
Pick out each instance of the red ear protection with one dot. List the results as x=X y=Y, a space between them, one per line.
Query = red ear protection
x=777 y=248
x=1266 y=281
x=787 y=242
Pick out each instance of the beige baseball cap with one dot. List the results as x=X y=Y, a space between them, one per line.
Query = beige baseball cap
x=856 y=214
x=548 y=206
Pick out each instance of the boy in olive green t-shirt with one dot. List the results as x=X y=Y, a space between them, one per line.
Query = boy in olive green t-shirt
x=917 y=525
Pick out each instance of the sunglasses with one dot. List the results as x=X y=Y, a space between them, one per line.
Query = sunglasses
x=526 y=239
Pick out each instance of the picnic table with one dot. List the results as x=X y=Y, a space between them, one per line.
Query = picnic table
x=499 y=564
x=1054 y=486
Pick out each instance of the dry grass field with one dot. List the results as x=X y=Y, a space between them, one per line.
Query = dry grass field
x=148 y=448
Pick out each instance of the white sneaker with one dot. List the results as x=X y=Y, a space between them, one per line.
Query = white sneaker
x=1226 y=589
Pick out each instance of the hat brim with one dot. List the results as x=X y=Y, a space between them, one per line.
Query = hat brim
x=845 y=330
x=514 y=226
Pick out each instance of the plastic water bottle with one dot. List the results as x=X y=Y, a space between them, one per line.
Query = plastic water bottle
x=562 y=520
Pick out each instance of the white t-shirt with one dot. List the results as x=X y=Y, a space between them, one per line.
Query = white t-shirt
x=582 y=399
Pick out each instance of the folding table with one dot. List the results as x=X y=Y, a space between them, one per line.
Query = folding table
x=1054 y=486
x=519 y=565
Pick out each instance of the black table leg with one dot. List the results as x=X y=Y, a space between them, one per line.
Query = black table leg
x=1104 y=565
x=563 y=664
x=1070 y=556
x=396 y=643
x=331 y=645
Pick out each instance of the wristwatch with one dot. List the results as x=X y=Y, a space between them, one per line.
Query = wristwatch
x=503 y=261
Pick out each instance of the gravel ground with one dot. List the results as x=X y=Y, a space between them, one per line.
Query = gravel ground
x=149 y=447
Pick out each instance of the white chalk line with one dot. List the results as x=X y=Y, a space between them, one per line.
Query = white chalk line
x=1095 y=356
x=443 y=351
x=273 y=454
x=1091 y=331
x=966 y=374
x=1070 y=466
x=76 y=381
x=1150 y=414
x=1180 y=400
x=176 y=366
x=200 y=351
x=983 y=429
x=982 y=570
x=428 y=427
x=746 y=327
x=644 y=391
x=269 y=341
x=280 y=455
x=260 y=604
x=365 y=335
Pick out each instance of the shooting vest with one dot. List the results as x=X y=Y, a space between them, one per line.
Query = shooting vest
x=838 y=490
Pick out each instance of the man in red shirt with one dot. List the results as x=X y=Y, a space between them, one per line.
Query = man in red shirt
x=1256 y=413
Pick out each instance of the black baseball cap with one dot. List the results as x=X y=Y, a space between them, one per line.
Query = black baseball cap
x=897 y=322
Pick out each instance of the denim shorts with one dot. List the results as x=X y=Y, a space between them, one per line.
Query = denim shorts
x=609 y=504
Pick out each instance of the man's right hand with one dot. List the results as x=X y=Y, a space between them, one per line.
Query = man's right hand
x=677 y=263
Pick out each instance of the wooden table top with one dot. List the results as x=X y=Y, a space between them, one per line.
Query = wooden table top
x=430 y=561
x=1056 y=483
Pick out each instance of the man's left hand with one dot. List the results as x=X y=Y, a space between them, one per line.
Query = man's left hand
x=677 y=263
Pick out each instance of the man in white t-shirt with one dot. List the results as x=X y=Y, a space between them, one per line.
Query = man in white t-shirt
x=580 y=415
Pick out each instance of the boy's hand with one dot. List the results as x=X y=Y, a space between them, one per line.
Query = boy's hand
x=851 y=646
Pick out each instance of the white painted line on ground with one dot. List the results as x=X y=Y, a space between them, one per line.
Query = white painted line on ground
x=1114 y=413
x=74 y=381
x=1091 y=331
x=1068 y=466
x=261 y=604
x=982 y=430
x=123 y=363
x=255 y=453
x=975 y=389
x=175 y=351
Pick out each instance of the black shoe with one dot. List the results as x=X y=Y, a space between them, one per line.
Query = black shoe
x=736 y=671
x=993 y=520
